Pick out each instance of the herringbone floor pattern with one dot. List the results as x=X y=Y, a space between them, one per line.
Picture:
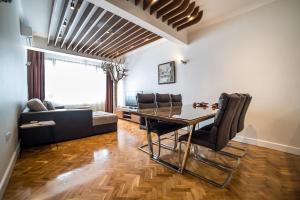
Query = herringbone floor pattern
x=109 y=166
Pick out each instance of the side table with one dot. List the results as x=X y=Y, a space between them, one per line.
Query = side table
x=41 y=124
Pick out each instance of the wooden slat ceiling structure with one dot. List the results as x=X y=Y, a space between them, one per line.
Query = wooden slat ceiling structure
x=179 y=14
x=88 y=29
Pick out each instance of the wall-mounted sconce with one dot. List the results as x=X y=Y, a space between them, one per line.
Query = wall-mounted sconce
x=184 y=61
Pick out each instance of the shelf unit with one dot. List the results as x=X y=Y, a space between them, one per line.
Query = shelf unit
x=126 y=114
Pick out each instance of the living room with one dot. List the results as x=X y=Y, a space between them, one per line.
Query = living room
x=174 y=99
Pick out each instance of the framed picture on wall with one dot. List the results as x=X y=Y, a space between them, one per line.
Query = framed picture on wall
x=166 y=73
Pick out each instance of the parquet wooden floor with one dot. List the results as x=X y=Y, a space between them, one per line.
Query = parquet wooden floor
x=110 y=166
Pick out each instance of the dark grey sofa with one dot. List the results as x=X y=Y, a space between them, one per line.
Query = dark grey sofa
x=70 y=124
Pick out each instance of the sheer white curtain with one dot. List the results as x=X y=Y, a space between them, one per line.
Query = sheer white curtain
x=74 y=84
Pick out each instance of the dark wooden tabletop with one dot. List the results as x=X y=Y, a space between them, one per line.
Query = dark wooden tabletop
x=187 y=114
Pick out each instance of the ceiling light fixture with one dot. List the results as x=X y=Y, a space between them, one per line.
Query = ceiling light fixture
x=153 y=1
x=72 y=6
x=65 y=22
x=190 y=17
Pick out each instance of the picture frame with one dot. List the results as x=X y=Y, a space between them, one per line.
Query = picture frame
x=166 y=73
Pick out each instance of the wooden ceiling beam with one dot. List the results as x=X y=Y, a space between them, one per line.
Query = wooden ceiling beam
x=124 y=23
x=89 y=26
x=121 y=40
x=105 y=30
x=128 y=29
x=191 y=22
x=145 y=37
x=184 y=14
x=92 y=30
x=138 y=46
x=97 y=29
x=146 y=4
x=186 y=19
x=157 y=5
x=85 y=18
x=70 y=22
x=177 y=11
x=53 y=7
x=168 y=8
x=136 y=2
x=61 y=21
x=131 y=37
x=131 y=42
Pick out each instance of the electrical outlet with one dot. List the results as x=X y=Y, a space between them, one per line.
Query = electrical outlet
x=7 y=135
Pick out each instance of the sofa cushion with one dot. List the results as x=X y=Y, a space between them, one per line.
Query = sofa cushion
x=48 y=105
x=36 y=105
x=100 y=118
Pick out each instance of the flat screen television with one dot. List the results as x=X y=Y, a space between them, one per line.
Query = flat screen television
x=130 y=99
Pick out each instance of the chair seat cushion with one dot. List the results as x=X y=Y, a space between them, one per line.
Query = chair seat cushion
x=199 y=137
x=161 y=128
x=100 y=118
x=207 y=127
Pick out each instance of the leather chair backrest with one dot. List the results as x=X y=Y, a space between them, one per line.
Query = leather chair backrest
x=235 y=122
x=228 y=105
x=145 y=100
x=176 y=99
x=241 y=122
x=163 y=100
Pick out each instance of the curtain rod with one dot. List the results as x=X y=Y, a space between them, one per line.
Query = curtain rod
x=71 y=61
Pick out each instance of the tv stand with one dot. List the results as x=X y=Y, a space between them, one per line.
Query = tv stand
x=126 y=114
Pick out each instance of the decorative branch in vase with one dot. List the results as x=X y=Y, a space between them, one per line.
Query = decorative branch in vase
x=117 y=70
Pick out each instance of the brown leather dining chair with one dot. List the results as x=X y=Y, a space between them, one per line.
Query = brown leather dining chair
x=215 y=137
x=163 y=100
x=176 y=99
x=160 y=128
x=145 y=101
x=239 y=121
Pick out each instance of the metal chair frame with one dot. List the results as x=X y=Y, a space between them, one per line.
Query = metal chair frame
x=214 y=164
x=159 y=144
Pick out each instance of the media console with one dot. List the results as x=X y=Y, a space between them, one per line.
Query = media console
x=126 y=114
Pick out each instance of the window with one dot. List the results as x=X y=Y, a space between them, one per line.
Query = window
x=72 y=84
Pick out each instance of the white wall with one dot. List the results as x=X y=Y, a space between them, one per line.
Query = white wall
x=256 y=53
x=13 y=84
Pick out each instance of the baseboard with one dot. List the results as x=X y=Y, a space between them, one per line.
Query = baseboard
x=8 y=171
x=267 y=144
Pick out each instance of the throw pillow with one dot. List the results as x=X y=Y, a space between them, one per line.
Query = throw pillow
x=36 y=105
x=48 y=105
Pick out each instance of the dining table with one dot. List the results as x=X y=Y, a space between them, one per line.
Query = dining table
x=187 y=115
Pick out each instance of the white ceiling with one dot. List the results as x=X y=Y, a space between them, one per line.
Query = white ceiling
x=220 y=10
x=36 y=13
